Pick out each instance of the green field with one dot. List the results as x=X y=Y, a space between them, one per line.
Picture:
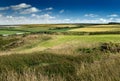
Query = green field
x=47 y=53
x=2 y=32
x=61 y=29
x=86 y=39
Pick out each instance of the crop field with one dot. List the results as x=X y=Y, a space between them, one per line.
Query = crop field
x=9 y=32
x=61 y=29
x=39 y=55
x=96 y=29
x=32 y=29
x=99 y=28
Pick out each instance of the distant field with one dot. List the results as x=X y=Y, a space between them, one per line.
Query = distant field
x=105 y=26
x=2 y=32
x=95 y=29
x=38 y=28
x=52 y=25
x=98 y=28
x=59 y=28
x=31 y=29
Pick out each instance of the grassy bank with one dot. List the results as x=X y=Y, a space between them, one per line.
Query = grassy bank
x=55 y=53
x=65 y=60
x=42 y=66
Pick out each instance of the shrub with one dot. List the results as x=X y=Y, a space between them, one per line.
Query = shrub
x=110 y=47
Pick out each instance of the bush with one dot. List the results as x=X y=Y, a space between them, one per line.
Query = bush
x=4 y=42
x=110 y=47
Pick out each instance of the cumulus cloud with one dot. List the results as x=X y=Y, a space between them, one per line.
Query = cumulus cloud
x=20 y=6
x=33 y=15
x=44 y=16
x=61 y=11
x=30 y=10
x=47 y=19
x=27 y=14
x=33 y=19
x=113 y=15
x=90 y=15
x=44 y=19
x=1 y=15
x=9 y=17
x=50 y=8
x=16 y=7
x=103 y=20
x=67 y=19
x=4 y=8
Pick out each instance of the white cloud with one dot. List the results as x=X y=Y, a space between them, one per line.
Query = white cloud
x=50 y=8
x=90 y=15
x=113 y=15
x=20 y=6
x=4 y=8
x=67 y=19
x=33 y=15
x=47 y=16
x=1 y=15
x=44 y=16
x=103 y=20
x=30 y=10
x=33 y=19
x=9 y=17
x=61 y=11
x=24 y=8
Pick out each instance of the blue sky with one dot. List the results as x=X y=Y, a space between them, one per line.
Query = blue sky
x=59 y=11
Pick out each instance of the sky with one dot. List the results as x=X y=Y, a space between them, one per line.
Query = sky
x=58 y=11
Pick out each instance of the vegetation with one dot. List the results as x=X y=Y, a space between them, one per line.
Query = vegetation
x=74 y=29
x=55 y=53
x=98 y=28
x=94 y=65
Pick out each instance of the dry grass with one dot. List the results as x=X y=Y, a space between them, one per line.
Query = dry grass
x=62 y=63
x=70 y=48
x=28 y=76
x=105 y=70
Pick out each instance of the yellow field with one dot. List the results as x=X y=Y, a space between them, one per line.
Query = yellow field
x=95 y=29
x=105 y=26
x=98 y=28
x=52 y=25
x=65 y=25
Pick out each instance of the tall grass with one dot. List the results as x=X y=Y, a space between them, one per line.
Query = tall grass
x=28 y=76
x=40 y=66
x=83 y=62
x=105 y=70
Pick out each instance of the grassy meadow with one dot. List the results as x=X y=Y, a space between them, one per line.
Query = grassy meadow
x=60 y=52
